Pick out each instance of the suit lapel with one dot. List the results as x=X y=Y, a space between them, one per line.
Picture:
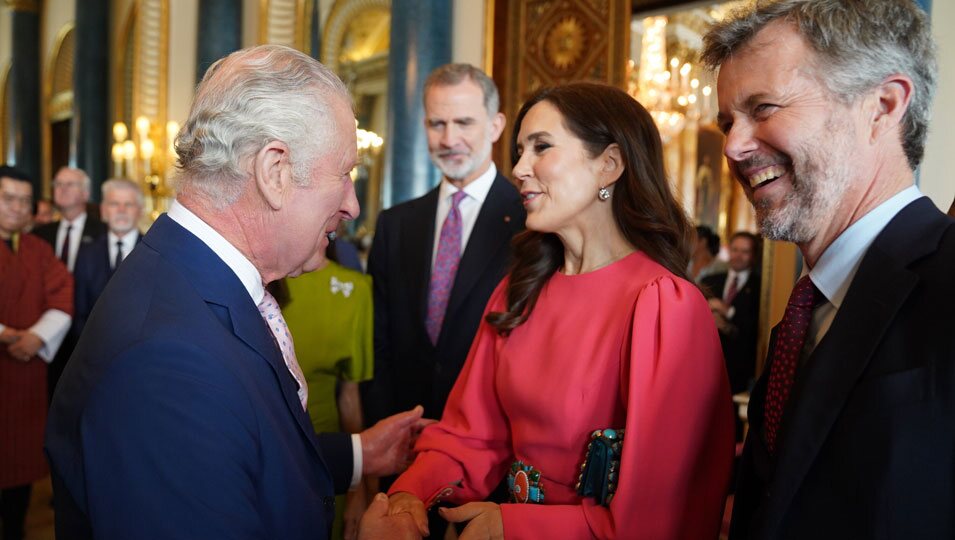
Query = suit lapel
x=417 y=245
x=490 y=233
x=878 y=290
x=231 y=303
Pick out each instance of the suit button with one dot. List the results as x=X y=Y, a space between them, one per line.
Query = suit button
x=329 y=503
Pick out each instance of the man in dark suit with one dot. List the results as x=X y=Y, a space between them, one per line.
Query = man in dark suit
x=734 y=299
x=71 y=193
x=426 y=313
x=95 y=263
x=182 y=411
x=75 y=228
x=825 y=106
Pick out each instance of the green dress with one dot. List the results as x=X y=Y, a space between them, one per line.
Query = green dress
x=330 y=318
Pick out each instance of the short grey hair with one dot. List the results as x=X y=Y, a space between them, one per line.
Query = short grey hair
x=246 y=100
x=86 y=184
x=123 y=183
x=452 y=74
x=859 y=44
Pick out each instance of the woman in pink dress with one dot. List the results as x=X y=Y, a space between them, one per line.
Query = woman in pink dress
x=595 y=329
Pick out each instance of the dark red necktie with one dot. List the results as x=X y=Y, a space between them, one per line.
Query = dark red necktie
x=445 y=268
x=732 y=290
x=784 y=358
x=65 y=248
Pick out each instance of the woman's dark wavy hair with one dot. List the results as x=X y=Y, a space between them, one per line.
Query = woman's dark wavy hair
x=644 y=207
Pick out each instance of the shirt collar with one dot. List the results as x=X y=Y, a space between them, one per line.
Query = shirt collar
x=232 y=257
x=477 y=190
x=78 y=222
x=742 y=275
x=835 y=269
x=128 y=239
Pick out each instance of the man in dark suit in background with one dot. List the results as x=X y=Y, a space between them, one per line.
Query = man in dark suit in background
x=71 y=193
x=825 y=105
x=75 y=228
x=435 y=260
x=734 y=300
x=182 y=411
x=95 y=263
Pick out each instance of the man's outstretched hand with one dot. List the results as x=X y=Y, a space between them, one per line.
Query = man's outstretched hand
x=388 y=446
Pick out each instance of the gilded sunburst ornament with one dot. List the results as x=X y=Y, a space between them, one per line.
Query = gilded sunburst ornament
x=565 y=42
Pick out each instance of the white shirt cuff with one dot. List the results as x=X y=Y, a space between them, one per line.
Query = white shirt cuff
x=51 y=328
x=730 y=312
x=357 y=467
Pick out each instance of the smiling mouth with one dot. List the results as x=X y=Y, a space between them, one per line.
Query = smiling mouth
x=766 y=176
x=529 y=196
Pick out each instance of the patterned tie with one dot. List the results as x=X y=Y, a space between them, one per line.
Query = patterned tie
x=119 y=254
x=272 y=315
x=65 y=249
x=732 y=290
x=790 y=338
x=445 y=267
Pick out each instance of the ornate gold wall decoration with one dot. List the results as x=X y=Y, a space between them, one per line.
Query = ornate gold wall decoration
x=286 y=22
x=554 y=41
x=565 y=43
x=341 y=20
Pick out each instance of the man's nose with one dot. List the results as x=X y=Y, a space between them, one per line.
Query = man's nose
x=740 y=142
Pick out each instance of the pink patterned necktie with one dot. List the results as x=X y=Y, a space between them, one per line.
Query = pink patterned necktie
x=445 y=267
x=272 y=315
x=790 y=339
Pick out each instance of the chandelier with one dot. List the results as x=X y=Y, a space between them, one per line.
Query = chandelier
x=667 y=90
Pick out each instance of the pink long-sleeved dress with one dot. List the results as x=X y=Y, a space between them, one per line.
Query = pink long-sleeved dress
x=628 y=345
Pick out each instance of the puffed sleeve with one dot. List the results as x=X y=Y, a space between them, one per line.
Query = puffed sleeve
x=678 y=450
x=463 y=457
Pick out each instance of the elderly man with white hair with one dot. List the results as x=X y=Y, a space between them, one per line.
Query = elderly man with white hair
x=182 y=412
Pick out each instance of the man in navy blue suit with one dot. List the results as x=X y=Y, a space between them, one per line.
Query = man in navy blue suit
x=826 y=105
x=121 y=209
x=181 y=413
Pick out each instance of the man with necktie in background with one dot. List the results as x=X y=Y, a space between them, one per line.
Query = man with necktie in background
x=825 y=105
x=76 y=227
x=182 y=411
x=435 y=260
x=96 y=262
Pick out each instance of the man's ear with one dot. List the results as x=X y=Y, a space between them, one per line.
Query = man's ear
x=893 y=96
x=610 y=165
x=273 y=173
x=498 y=121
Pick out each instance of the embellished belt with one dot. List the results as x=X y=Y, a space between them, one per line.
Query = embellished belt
x=524 y=484
x=601 y=467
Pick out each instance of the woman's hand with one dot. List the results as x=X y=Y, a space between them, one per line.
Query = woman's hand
x=484 y=520
x=403 y=502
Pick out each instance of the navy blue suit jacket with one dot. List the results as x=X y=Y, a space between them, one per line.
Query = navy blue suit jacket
x=867 y=448
x=409 y=370
x=176 y=416
x=90 y=274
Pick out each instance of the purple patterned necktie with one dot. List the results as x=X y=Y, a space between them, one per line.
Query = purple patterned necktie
x=272 y=315
x=445 y=267
x=790 y=338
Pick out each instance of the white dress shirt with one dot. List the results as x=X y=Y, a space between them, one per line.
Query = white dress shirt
x=128 y=241
x=469 y=207
x=837 y=266
x=251 y=280
x=743 y=276
x=76 y=236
